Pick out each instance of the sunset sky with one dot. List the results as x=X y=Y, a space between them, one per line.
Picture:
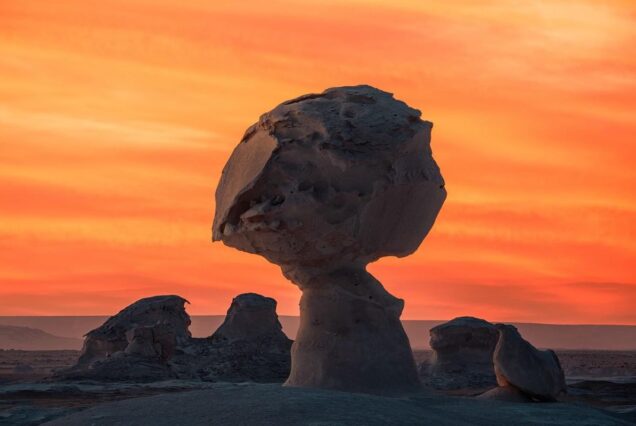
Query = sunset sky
x=116 y=119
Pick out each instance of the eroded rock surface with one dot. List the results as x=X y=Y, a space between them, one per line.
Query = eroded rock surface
x=471 y=355
x=150 y=340
x=517 y=363
x=249 y=345
x=462 y=354
x=251 y=317
x=163 y=317
x=322 y=185
x=332 y=178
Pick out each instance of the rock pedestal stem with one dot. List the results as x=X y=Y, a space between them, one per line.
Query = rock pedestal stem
x=350 y=336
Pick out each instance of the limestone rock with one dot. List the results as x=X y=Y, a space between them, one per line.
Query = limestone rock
x=462 y=354
x=149 y=341
x=249 y=345
x=165 y=313
x=322 y=185
x=517 y=363
x=250 y=317
x=332 y=178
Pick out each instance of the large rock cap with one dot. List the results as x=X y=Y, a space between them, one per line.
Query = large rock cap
x=536 y=373
x=344 y=175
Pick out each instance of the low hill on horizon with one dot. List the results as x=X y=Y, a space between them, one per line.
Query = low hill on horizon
x=31 y=339
x=50 y=332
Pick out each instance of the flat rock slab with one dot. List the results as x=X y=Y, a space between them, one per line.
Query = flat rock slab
x=269 y=404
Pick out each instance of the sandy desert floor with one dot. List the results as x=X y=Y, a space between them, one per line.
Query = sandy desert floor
x=270 y=404
x=601 y=390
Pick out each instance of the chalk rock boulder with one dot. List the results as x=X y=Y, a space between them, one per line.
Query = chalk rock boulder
x=136 y=344
x=152 y=326
x=329 y=179
x=462 y=354
x=251 y=317
x=322 y=185
x=249 y=345
x=149 y=340
x=517 y=363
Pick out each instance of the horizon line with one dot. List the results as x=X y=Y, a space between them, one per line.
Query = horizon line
x=297 y=316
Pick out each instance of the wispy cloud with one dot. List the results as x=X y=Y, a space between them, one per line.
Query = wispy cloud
x=94 y=130
x=116 y=120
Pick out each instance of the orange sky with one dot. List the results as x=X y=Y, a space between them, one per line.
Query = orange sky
x=116 y=118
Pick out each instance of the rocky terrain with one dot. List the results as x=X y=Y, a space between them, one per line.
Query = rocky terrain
x=70 y=387
x=150 y=341
x=270 y=404
x=602 y=379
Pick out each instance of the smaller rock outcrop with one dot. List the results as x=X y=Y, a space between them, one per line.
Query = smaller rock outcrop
x=149 y=340
x=249 y=345
x=462 y=355
x=517 y=363
x=250 y=317
x=471 y=355
x=159 y=323
x=136 y=344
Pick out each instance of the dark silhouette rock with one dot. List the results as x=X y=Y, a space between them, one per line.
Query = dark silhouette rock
x=517 y=363
x=249 y=345
x=250 y=317
x=149 y=341
x=166 y=314
x=322 y=185
x=471 y=354
x=462 y=354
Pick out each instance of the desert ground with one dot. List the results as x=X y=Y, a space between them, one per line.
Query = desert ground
x=601 y=390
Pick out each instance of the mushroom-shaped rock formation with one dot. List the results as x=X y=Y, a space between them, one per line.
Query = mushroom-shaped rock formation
x=462 y=354
x=322 y=185
x=517 y=363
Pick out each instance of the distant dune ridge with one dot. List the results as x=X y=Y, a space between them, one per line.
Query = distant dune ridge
x=67 y=332
x=27 y=338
